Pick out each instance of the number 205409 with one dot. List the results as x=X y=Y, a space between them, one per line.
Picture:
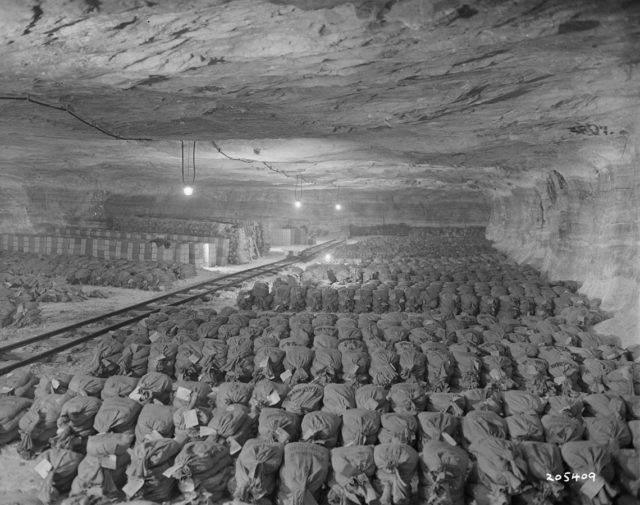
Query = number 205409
x=568 y=476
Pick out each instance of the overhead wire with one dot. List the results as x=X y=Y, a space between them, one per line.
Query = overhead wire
x=65 y=107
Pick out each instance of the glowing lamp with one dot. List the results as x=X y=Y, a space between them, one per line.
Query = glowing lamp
x=297 y=204
x=187 y=190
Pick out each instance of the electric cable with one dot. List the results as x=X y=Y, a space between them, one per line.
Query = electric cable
x=65 y=107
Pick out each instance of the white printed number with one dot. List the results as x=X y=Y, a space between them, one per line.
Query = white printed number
x=571 y=476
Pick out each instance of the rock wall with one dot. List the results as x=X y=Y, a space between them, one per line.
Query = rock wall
x=360 y=208
x=581 y=223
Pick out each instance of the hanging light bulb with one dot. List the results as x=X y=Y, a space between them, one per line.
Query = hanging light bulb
x=297 y=193
x=338 y=206
x=188 y=187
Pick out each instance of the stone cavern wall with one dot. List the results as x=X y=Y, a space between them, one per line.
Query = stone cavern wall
x=360 y=208
x=584 y=228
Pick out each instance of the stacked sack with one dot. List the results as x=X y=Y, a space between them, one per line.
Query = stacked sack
x=474 y=398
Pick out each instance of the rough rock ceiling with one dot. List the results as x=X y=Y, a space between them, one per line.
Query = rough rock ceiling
x=417 y=94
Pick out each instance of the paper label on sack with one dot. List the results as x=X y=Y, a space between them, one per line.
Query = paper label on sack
x=190 y=418
x=187 y=486
x=106 y=362
x=194 y=358
x=592 y=487
x=495 y=374
x=7 y=389
x=43 y=468
x=370 y=404
x=169 y=472
x=308 y=434
x=282 y=436
x=448 y=439
x=230 y=408
x=354 y=370
x=154 y=336
x=273 y=398
x=135 y=395
x=234 y=446
x=264 y=363
x=206 y=431
x=183 y=394
x=559 y=380
x=134 y=484
x=286 y=375
x=55 y=384
x=154 y=435
x=109 y=462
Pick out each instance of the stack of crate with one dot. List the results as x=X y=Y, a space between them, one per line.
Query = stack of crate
x=214 y=252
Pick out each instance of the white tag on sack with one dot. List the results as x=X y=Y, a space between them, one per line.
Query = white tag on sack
x=7 y=389
x=234 y=446
x=194 y=358
x=273 y=398
x=448 y=439
x=154 y=435
x=282 y=436
x=592 y=487
x=43 y=468
x=264 y=363
x=106 y=362
x=370 y=404
x=55 y=384
x=135 y=395
x=308 y=435
x=169 y=472
x=495 y=374
x=154 y=336
x=187 y=486
x=560 y=380
x=371 y=494
x=206 y=431
x=190 y=418
x=109 y=462
x=286 y=375
x=134 y=484
x=183 y=394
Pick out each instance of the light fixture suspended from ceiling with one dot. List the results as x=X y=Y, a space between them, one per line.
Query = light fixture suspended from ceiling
x=338 y=205
x=297 y=193
x=188 y=186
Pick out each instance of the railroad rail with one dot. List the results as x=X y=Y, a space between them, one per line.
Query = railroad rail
x=133 y=313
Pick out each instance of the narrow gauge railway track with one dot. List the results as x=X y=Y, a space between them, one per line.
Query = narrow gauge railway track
x=133 y=313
